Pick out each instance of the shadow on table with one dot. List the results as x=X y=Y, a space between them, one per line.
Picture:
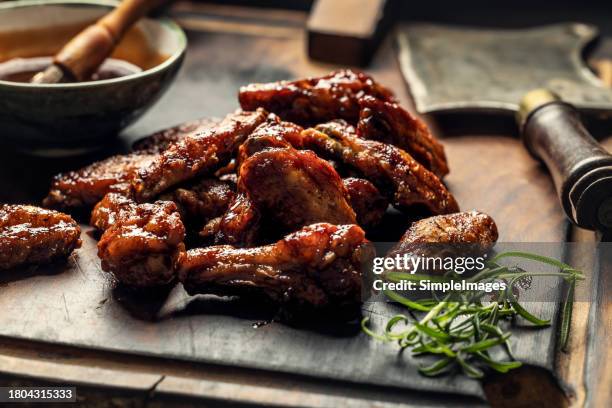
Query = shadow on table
x=31 y=271
x=261 y=312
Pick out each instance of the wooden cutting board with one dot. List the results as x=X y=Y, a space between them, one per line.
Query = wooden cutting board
x=77 y=305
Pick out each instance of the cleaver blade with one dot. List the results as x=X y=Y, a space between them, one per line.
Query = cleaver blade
x=454 y=69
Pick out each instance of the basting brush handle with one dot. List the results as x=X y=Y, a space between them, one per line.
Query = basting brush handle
x=581 y=169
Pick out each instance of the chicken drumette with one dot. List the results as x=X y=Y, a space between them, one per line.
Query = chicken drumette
x=140 y=242
x=317 y=266
x=310 y=101
x=33 y=235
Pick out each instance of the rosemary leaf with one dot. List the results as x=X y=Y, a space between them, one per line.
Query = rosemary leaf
x=406 y=302
x=436 y=368
x=566 y=316
x=500 y=366
x=436 y=334
x=485 y=344
x=526 y=315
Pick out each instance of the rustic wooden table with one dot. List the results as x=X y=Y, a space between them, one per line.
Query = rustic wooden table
x=489 y=170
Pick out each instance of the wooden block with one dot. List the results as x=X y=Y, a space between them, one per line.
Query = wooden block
x=347 y=31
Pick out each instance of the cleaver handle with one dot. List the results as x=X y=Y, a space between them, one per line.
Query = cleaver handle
x=581 y=169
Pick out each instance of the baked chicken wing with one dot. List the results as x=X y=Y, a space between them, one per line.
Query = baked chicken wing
x=32 y=235
x=140 y=242
x=310 y=101
x=468 y=233
x=394 y=172
x=196 y=154
x=82 y=189
x=317 y=266
x=389 y=123
x=468 y=227
x=286 y=187
x=295 y=188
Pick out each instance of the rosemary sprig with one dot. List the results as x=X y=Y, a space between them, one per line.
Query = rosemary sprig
x=463 y=332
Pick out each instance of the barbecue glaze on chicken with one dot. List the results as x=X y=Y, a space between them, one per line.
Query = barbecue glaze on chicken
x=31 y=235
x=318 y=266
x=389 y=123
x=160 y=141
x=310 y=101
x=201 y=201
x=196 y=154
x=285 y=187
x=462 y=227
x=393 y=171
x=140 y=242
x=367 y=202
x=83 y=188
x=468 y=233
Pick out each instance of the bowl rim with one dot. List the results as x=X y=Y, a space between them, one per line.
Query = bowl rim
x=171 y=60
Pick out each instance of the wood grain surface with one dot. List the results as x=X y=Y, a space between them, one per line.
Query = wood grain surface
x=77 y=305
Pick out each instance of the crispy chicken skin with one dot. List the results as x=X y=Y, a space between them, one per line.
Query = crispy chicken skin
x=196 y=154
x=310 y=101
x=85 y=187
x=394 y=172
x=140 y=242
x=160 y=141
x=317 y=266
x=367 y=202
x=33 y=235
x=389 y=123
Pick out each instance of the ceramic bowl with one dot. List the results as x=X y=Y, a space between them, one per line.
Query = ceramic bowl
x=79 y=116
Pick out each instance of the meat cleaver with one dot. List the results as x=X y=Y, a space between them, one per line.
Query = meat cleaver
x=539 y=75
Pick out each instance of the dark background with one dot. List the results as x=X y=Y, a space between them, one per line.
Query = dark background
x=516 y=13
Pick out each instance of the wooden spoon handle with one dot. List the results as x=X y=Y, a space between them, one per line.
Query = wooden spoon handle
x=82 y=55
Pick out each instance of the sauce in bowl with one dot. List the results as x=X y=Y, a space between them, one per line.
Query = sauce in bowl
x=23 y=69
x=22 y=51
